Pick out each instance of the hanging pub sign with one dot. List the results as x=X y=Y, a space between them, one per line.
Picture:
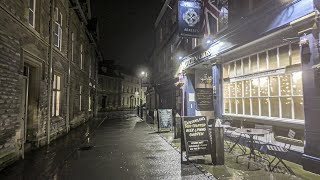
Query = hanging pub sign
x=165 y=119
x=196 y=135
x=190 y=18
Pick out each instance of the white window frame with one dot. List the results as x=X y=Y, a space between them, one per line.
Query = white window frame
x=72 y=46
x=80 y=98
x=81 y=56
x=58 y=22
x=56 y=107
x=33 y=11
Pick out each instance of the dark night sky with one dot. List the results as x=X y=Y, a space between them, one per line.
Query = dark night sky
x=126 y=29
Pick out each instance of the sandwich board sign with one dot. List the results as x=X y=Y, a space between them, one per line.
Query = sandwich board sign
x=165 y=119
x=196 y=136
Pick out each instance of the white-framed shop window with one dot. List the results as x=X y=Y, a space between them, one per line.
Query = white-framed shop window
x=56 y=95
x=32 y=14
x=275 y=95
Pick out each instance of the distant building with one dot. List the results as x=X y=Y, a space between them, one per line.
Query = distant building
x=131 y=91
x=48 y=74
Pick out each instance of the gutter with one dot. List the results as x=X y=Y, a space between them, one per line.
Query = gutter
x=163 y=10
x=81 y=13
x=50 y=71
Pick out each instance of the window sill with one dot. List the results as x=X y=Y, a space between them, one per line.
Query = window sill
x=288 y=123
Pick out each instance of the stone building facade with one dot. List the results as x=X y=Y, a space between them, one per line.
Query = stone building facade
x=131 y=91
x=48 y=62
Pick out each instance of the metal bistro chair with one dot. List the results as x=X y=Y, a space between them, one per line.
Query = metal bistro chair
x=278 y=153
x=233 y=139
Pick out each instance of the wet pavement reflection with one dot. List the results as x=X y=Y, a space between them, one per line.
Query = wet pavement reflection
x=118 y=148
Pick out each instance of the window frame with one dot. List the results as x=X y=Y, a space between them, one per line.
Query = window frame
x=58 y=22
x=55 y=91
x=80 y=97
x=33 y=10
x=81 y=56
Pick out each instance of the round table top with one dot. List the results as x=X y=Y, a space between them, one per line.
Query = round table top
x=252 y=131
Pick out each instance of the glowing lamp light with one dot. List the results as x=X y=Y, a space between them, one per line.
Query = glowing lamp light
x=143 y=73
x=180 y=57
x=208 y=41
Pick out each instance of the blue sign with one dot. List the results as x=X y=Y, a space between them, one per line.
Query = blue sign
x=190 y=18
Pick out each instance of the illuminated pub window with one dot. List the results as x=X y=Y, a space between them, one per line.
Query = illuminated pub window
x=277 y=94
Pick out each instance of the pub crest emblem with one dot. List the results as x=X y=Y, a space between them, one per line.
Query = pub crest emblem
x=191 y=17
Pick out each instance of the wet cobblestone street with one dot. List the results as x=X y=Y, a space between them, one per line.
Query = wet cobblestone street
x=124 y=148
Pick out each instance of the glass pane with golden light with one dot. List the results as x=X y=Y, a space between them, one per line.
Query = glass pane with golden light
x=274 y=107
x=232 y=90
x=254 y=87
x=273 y=61
x=245 y=62
x=284 y=56
x=238 y=68
x=226 y=106
x=263 y=86
x=233 y=106
x=232 y=70
x=255 y=106
x=246 y=89
x=274 y=85
x=253 y=64
x=297 y=83
x=226 y=71
x=298 y=108
x=239 y=106
x=264 y=104
x=295 y=53
x=239 y=89
x=285 y=85
x=263 y=61
x=286 y=107
x=226 y=92
x=247 y=106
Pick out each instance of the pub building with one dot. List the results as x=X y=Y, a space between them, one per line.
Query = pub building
x=263 y=70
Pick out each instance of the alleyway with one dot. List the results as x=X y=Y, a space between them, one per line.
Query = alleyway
x=123 y=148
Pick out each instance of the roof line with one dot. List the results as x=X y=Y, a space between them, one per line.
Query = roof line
x=163 y=10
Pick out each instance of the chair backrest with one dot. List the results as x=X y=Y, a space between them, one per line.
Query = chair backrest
x=266 y=127
x=227 y=123
x=291 y=134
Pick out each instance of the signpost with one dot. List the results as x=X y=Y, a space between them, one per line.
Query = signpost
x=165 y=119
x=196 y=136
x=204 y=99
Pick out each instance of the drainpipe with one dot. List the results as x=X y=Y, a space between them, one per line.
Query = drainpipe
x=69 y=76
x=50 y=71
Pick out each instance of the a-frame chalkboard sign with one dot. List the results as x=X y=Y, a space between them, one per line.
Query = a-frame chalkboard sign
x=195 y=136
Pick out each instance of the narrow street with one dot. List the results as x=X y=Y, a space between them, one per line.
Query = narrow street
x=125 y=148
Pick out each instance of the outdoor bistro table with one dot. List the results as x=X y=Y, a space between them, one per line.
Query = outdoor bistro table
x=251 y=132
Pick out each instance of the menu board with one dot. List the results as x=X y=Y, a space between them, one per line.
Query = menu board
x=204 y=99
x=196 y=135
x=165 y=119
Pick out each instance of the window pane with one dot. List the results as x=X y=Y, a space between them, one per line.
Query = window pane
x=54 y=81
x=246 y=88
x=247 y=106
x=285 y=85
x=226 y=106
x=239 y=106
x=233 y=106
x=264 y=104
x=274 y=86
x=231 y=73
x=232 y=90
x=295 y=54
x=58 y=82
x=239 y=89
x=273 y=62
x=297 y=83
x=31 y=16
x=253 y=64
x=245 y=63
x=238 y=68
x=254 y=87
x=262 y=61
x=58 y=104
x=286 y=107
x=298 y=108
x=226 y=71
x=274 y=107
x=53 y=103
x=264 y=86
x=284 y=56
x=255 y=106
x=226 y=90
x=31 y=4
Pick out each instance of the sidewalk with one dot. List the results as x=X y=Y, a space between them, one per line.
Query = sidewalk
x=233 y=170
x=44 y=162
